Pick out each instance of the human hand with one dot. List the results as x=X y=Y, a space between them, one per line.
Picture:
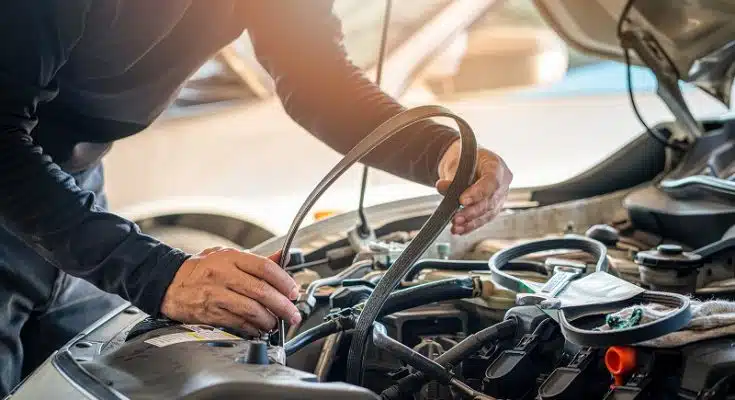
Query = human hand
x=485 y=198
x=231 y=288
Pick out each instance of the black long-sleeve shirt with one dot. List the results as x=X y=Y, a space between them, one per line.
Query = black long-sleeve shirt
x=76 y=75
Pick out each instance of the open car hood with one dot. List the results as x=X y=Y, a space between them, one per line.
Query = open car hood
x=694 y=40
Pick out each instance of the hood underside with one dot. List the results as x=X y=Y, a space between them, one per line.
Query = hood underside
x=693 y=39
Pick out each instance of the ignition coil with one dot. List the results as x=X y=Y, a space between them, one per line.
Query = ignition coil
x=578 y=379
x=513 y=374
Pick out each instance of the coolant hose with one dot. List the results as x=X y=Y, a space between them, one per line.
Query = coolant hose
x=463 y=178
x=445 y=289
x=306 y=301
x=471 y=344
x=318 y=332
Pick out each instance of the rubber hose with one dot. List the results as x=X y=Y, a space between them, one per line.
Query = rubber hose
x=350 y=272
x=308 y=296
x=318 y=332
x=471 y=344
x=427 y=235
x=445 y=289
x=499 y=261
x=449 y=265
x=437 y=221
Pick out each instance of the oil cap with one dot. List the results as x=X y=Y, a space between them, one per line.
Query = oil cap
x=669 y=256
x=669 y=268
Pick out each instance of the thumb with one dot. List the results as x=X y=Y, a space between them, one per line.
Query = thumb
x=442 y=185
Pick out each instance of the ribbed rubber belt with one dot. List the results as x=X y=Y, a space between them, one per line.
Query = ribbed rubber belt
x=429 y=232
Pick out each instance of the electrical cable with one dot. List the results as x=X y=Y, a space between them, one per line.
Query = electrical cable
x=413 y=358
x=363 y=229
x=430 y=368
x=629 y=78
x=470 y=345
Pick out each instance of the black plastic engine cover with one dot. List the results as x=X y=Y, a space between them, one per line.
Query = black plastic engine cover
x=694 y=218
x=206 y=369
x=707 y=362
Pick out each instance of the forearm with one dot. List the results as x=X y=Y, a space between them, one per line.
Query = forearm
x=330 y=97
x=357 y=107
x=44 y=206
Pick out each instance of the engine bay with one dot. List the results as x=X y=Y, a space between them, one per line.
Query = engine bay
x=595 y=305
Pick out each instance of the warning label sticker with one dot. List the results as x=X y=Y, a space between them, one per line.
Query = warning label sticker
x=198 y=333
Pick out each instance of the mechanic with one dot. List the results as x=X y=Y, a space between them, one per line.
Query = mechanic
x=76 y=75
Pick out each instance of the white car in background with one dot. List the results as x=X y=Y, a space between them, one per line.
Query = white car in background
x=216 y=167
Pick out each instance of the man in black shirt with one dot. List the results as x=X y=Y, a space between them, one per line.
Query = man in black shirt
x=76 y=75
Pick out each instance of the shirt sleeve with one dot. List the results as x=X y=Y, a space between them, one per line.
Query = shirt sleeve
x=42 y=204
x=300 y=44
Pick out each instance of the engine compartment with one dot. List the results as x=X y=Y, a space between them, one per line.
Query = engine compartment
x=480 y=339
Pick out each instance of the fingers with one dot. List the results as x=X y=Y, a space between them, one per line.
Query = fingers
x=484 y=199
x=210 y=250
x=224 y=318
x=262 y=292
x=275 y=257
x=267 y=270
x=487 y=183
x=249 y=311
x=228 y=287
x=442 y=185
x=477 y=199
x=478 y=214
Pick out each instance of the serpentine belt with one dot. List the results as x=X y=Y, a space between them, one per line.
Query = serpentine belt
x=567 y=315
x=500 y=259
x=432 y=228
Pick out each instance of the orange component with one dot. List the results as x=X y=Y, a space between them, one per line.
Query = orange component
x=620 y=361
x=319 y=215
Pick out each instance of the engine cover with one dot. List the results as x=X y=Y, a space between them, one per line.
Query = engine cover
x=199 y=362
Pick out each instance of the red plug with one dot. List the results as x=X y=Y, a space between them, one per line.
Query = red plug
x=620 y=361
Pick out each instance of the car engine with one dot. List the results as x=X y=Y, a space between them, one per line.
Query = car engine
x=599 y=303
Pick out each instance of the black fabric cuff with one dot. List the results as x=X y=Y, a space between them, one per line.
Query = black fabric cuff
x=151 y=297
